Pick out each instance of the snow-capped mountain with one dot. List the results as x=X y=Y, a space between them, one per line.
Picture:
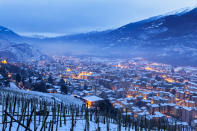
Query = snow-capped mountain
x=162 y=37
x=13 y=47
x=170 y=27
x=8 y=34
x=167 y=38
x=162 y=27
x=17 y=51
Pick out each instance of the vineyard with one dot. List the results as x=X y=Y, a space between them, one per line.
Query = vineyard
x=30 y=112
x=20 y=111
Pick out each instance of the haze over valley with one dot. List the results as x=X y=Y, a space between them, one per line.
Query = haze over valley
x=98 y=65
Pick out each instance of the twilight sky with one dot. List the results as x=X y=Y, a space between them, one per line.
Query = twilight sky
x=55 y=17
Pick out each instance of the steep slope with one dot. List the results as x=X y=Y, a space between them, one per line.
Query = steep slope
x=15 y=48
x=161 y=28
x=7 y=34
x=168 y=38
x=171 y=38
x=17 y=51
x=175 y=26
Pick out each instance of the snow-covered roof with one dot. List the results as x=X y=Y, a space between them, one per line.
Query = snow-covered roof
x=57 y=87
x=13 y=86
x=117 y=106
x=93 y=98
x=1 y=77
x=195 y=121
x=158 y=114
x=155 y=105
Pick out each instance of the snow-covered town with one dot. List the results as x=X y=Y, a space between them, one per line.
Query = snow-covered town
x=135 y=86
x=98 y=65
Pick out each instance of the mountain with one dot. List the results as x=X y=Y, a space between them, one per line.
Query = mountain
x=160 y=28
x=167 y=38
x=14 y=48
x=7 y=34
x=18 y=51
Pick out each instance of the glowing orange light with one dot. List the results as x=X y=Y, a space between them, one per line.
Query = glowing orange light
x=9 y=75
x=68 y=70
x=82 y=75
x=122 y=66
x=89 y=104
x=149 y=68
x=85 y=73
x=4 y=61
x=129 y=96
x=170 y=80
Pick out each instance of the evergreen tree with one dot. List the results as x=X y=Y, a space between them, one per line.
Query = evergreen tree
x=6 y=82
x=62 y=82
x=41 y=86
x=64 y=89
x=3 y=72
x=18 y=78
x=50 y=79
x=30 y=80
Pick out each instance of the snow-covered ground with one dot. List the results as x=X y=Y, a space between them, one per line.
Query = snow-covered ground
x=65 y=99
x=79 y=125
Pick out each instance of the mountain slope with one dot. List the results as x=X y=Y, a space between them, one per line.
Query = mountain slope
x=7 y=34
x=161 y=28
x=168 y=38
x=17 y=51
x=14 y=47
x=156 y=29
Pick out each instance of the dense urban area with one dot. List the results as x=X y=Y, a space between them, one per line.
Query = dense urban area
x=136 y=86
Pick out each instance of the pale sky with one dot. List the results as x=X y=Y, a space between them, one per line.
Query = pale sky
x=52 y=17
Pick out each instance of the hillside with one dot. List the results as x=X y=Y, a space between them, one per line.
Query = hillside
x=41 y=111
x=168 y=38
x=13 y=47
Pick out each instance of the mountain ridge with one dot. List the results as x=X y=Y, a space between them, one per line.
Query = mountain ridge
x=160 y=38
